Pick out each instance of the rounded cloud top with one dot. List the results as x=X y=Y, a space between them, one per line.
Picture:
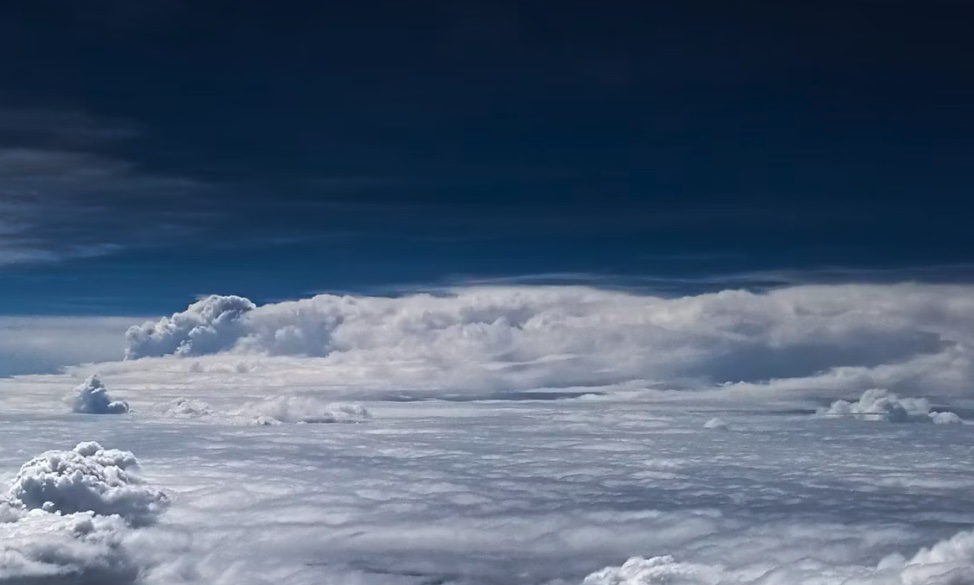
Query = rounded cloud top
x=91 y=397
x=834 y=339
x=208 y=325
x=87 y=478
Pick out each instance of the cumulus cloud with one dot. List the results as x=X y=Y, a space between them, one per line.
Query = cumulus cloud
x=88 y=478
x=91 y=397
x=880 y=404
x=67 y=515
x=295 y=409
x=208 y=325
x=802 y=340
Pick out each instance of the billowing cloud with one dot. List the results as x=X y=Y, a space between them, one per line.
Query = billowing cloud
x=880 y=404
x=88 y=478
x=67 y=517
x=209 y=325
x=91 y=397
x=805 y=340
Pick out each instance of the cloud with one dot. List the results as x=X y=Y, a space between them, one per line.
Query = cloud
x=294 y=409
x=815 y=341
x=67 y=517
x=187 y=408
x=207 y=326
x=63 y=194
x=715 y=423
x=88 y=478
x=92 y=397
x=880 y=404
x=34 y=345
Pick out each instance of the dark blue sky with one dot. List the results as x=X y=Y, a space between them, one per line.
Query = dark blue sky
x=151 y=151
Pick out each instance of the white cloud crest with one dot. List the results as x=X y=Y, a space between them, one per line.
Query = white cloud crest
x=880 y=404
x=67 y=515
x=91 y=397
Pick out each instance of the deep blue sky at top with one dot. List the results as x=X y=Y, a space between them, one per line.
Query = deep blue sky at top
x=154 y=150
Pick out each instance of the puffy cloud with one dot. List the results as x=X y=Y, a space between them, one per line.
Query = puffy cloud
x=67 y=515
x=880 y=404
x=303 y=409
x=208 y=325
x=187 y=407
x=86 y=479
x=91 y=397
x=804 y=339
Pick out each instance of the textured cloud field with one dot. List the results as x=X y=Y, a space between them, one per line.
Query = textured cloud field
x=516 y=435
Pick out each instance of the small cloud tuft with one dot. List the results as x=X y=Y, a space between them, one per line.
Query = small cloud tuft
x=92 y=397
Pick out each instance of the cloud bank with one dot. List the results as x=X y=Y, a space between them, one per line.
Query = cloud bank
x=67 y=516
x=880 y=404
x=949 y=562
x=806 y=340
x=91 y=397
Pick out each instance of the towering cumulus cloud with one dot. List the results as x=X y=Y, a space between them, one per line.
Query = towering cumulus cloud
x=830 y=340
x=209 y=325
x=91 y=397
x=66 y=516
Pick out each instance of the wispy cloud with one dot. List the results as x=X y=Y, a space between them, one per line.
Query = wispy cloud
x=64 y=195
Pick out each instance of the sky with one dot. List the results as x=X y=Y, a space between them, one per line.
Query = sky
x=156 y=151
x=480 y=292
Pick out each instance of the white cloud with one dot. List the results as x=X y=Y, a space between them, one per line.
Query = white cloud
x=948 y=562
x=88 y=478
x=715 y=423
x=804 y=341
x=880 y=404
x=207 y=326
x=67 y=516
x=188 y=408
x=91 y=397
x=304 y=409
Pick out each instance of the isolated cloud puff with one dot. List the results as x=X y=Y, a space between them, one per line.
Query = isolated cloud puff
x=880 y=404
x=91 y=397
x=88 y=478
x=208 y=325
x=188 y=408
x=67 y=516
x=301 y=409
x=801 y=339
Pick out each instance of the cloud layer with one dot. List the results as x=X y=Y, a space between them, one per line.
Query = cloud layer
x=806 y=340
